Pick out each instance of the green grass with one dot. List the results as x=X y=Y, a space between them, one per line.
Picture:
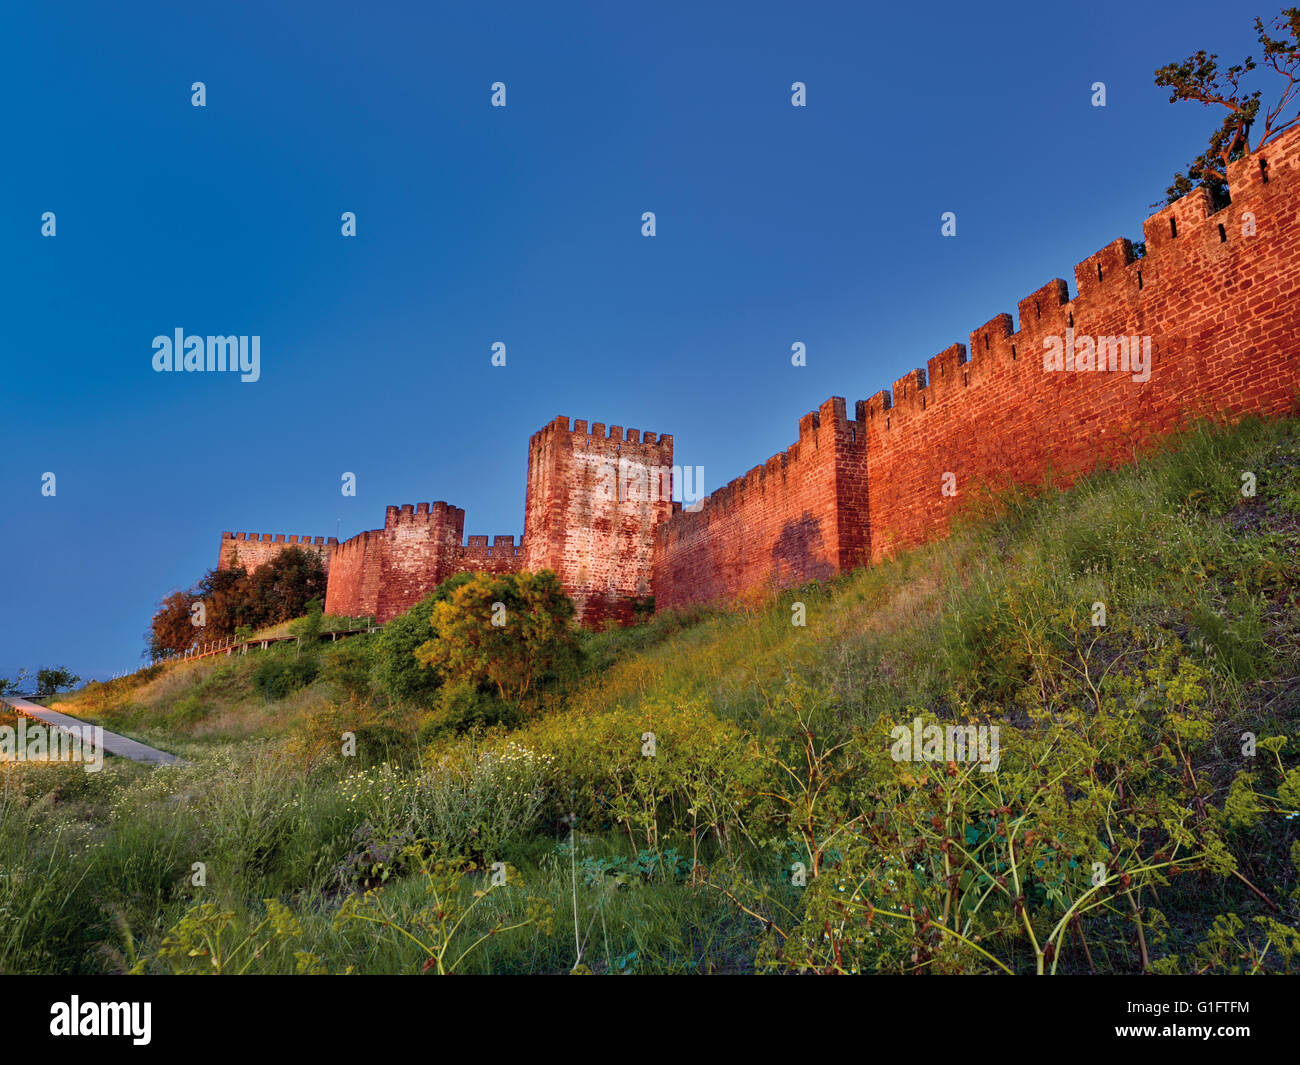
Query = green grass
x=1201 y=591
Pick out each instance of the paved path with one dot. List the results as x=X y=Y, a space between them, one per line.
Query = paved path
x=113 y=743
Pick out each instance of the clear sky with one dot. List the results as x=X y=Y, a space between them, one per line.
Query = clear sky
x=522 y=225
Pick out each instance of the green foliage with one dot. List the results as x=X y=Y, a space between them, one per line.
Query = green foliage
x=700 y=781
x=279 y=675
x=54 y=680
x=310 y=624
x=236 y=602
x=1199 y=79
x=283 y=588
x=209 y=941
x=509 y=631
x=464 y=705
x=452 y=901
x=399 y=674
x=347 y=667
x=721 y=794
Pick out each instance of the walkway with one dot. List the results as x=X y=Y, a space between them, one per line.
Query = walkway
x=113 y=743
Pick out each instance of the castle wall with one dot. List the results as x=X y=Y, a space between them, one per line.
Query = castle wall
x=418 y=544
x=478 y=557
x=593 y=501
x=353 y=588
x=1219 y=305
x=256 y=549
x=800 y=516
x=385 y=572
x=1215 y=296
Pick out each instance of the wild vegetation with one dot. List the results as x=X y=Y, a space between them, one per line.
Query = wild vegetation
x=233 y=602
x=716 y=792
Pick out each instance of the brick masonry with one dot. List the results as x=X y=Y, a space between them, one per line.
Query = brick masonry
x=1217 y=294
x=253 y=549
x=594 y=498
x=1220 y=304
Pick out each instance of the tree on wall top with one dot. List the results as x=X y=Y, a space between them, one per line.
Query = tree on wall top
x=1198 y=78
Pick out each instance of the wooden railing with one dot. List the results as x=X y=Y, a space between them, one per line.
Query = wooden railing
x=228 y=645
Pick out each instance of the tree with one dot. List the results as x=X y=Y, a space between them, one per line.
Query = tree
x=508 y=631
x=227 y=596
x=172 y=632
x=13 y=685
x=282 y=588
x=235 y=600
x=399 y=673
x=1198 y=78
x=52 y=681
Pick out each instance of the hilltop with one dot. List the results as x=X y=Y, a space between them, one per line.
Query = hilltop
x=1131 y=638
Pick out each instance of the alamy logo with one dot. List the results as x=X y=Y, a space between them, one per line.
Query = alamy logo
x=920 y=742
x=196 y=354
x=1071 y=354
x=102 y=1018
x=40 y=743
x=636 y=482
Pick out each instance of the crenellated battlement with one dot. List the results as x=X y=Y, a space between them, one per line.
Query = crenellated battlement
x=1112 y=283
x=358 y=542
x=597 y=436
x=440 y=515
x=789 y=519
x=279 y=538
x=1203 y=321
x=1208 y=300
x=252 y=550
x=502 y=548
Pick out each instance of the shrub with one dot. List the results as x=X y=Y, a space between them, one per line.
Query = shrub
x=277 y=676
x=509 y=631
x=661 y=768
x=398 y=673
x=188 y=710
x=463 y=705
x=347 y=667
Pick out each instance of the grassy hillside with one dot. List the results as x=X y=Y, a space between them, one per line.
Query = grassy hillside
x=1144 y=814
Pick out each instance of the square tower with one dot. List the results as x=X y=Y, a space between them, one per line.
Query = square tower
x=595 y=498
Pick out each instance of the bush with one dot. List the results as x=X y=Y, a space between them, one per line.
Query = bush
x=277 y=677
x=347 y=667
x=510 y=631
x=463 y=705
x=188 y=710
x=659 y=769
x=398 y=673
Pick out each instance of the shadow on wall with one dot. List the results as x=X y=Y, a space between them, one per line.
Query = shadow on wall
x=799 y=554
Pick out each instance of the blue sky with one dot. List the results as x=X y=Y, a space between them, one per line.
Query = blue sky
x=519 y=224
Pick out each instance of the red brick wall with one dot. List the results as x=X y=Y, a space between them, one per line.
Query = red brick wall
x=353 y=589
x=799 y=517
x=419 y=542
x=386 y=571
x=593 y=501
x=256 y=549
x=1222 y=310
x=477 y=557
x=1219 y=306
x=1223 y=314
